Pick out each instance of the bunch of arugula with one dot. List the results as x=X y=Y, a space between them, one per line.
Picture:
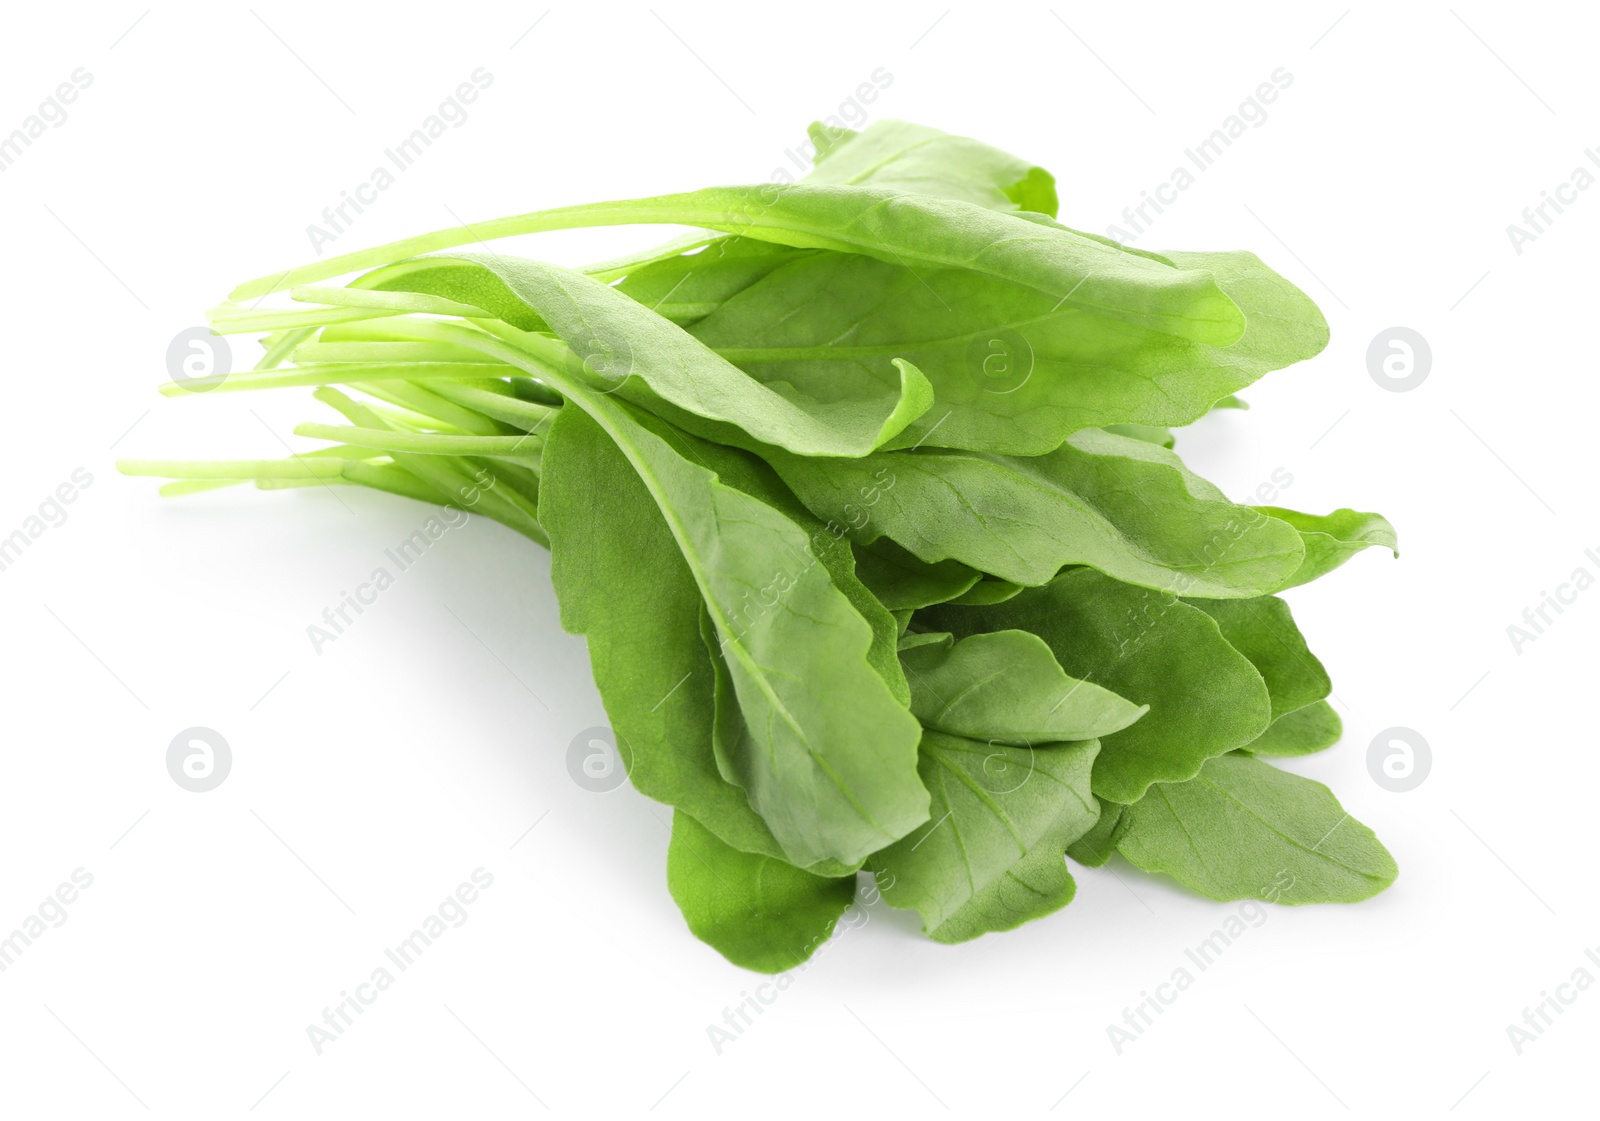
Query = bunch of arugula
x=866 y=505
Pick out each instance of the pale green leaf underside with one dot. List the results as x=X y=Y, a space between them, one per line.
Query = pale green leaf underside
x=1035 y=886
x=991 y=805
x=1243 y=829
x=909 y=157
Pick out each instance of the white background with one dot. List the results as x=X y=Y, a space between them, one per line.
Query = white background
x=369 y=780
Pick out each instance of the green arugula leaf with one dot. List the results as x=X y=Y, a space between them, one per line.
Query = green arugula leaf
x=914 y=231
x=1096 y=846
x=986 y=591
x=1332 y=539
x=1243 y=828
x=1006 y=687
x=689 y=278
x=757 y=912
x=1160 y=437
x=919 y=160
x=864 y=499
x=687 y=287
x=901 y=581
x=833 y=770
x=828 y=544
x=648 y=360
x=640 y=618
x=1035 y=886
x=992 y=805
x=910 y=640
x=1301 y=732
x=1013 y=369
x=1205 y=697
x=1122 y=506
x=1263 y=630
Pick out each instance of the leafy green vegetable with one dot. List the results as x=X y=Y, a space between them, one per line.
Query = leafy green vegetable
x=1332 y=539
x=905 y=229
x=1300 y=732
x=642 y=626
x=1204 y=697
x=900 y=580
x=1007 y=687
x=1119 y=505
x=617 y=341
x=924 y=161
x=830 y=764
x=863 y=496
x=992 y=805
x=1263 y=630
x=754 y=910
x=1032 y=888
x=1243 y=829
x=1099 y=844
x=1013 y=370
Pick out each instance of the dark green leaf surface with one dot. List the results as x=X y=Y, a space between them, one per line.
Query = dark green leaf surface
x=1263 y=630
x=757 y=912
x=641 y=621
x=901 y=581
x=1096 y=846
x=1205 y=697
x=625 y=348
x=1013 y=370
x=1006 y=687
x=831 y=768
x=1301 y=732
x=1122 y=506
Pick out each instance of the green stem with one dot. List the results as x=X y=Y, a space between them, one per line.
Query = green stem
x=422 y=443
x=692 y=209
x=335 y=373
x=299 y=467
